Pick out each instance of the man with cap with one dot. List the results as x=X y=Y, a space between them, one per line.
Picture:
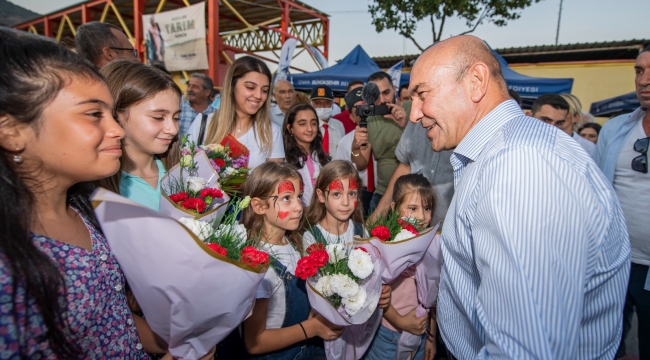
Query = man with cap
x=344 y=117
x=356 y=148
x=322 y=98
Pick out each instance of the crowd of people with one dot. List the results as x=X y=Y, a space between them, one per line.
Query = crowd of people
x=545 y=234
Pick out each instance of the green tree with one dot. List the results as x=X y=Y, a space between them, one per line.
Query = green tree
x=403 y=15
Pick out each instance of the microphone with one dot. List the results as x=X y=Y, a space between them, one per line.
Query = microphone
x=370 y=93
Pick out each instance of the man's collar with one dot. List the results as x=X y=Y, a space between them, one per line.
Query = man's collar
x=473 y=143
x=637 y=114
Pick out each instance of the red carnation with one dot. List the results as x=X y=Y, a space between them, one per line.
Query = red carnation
x=194 y=204
x=178 y=197
x=220 y=162
x=315 y=247
x=253 y=257
x=360 y=248
x=211 y=192
x=319 y=257
x=306 y=268
x=217 y=248
x=381 y=232
x=409 y=227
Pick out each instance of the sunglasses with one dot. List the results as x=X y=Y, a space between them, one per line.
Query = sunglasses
x=640 y=163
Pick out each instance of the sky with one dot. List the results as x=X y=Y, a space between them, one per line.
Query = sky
x=583 y=21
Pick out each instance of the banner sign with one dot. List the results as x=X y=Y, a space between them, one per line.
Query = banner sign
x=176 y=39
x=395 y=73
x=286 y=55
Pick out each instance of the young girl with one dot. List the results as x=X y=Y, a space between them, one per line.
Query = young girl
x=281 y=326
x=303 y=145
x=413 y=198
x=243 y=122
x=147 y=106
x=61 y=289
x=336 y=213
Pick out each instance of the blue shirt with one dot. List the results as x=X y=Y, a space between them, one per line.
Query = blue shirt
x=135 y=188
x=611 y=139
x=188 y=115
x=536 y=252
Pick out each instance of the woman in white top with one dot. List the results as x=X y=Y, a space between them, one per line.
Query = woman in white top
x=243 y=119
x=303 y=145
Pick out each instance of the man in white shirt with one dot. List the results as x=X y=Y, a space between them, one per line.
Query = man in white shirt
x=622 y=155
x=322 y=98
x=285 y=96
x=554 y=110
x=349 y=149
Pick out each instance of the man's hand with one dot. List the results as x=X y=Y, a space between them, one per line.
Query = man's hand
x=397 y=114
x=360 y=139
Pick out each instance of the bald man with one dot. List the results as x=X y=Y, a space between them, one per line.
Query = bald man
x=533 y=269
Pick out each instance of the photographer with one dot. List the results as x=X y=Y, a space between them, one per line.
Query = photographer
x=355 y=147
x=384 y=133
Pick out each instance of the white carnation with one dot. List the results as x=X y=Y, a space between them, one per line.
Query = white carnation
x=236 y=230
x=343 y=285
x=354 y=303
x=360 y=263
x=323 y=286
x=229 y=170
x=403 y=235
x=195 y=183
x=201 y=229
x=335 y=252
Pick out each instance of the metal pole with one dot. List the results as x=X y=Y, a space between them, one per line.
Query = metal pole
x=559 y=18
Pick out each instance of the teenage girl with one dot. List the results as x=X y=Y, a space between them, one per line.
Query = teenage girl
x=413 y=198
x=147 y=106
x=303 y=145
x=336 y=213
x=281 y=326
x=61 y=289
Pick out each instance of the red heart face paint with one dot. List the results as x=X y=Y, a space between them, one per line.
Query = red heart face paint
x=354 y=185
x=355 y=204
x=286 y=186
x=283 y=214
x=335 y=185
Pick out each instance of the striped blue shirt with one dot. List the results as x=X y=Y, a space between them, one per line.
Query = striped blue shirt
x=536 y=251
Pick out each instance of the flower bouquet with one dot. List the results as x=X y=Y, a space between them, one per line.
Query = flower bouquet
x=191 y=295
x=192 y=189
x=232 y=167
x=427 y=282
x=402 y=245
x=344 y=285
x=399 y=242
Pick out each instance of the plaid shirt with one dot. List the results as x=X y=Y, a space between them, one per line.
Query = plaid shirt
x=188 y=115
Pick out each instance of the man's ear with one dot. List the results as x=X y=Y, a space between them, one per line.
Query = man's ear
x=321 y=196
x=12 y=134
x=479 y=78
x=107 y=53
x=258 y=205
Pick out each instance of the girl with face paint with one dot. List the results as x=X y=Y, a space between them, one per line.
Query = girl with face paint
x=281 y=326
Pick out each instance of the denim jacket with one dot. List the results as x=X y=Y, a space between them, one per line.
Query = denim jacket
x=611 y=139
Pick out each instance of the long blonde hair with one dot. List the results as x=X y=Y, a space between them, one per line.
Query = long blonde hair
x=223 y=122
x=131 y=83
x=261 y=184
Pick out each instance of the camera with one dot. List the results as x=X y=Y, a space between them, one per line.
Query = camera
x=363 y=111
x=371 y=110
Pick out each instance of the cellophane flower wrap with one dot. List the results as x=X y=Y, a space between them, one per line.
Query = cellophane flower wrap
x=402 y=245
x=191 y=188
x=344 y=285
x=191 y=295
x=232 y=169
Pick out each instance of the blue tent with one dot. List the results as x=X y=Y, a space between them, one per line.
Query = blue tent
x=356 y=65
x=608 y=107
x=528 y=87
